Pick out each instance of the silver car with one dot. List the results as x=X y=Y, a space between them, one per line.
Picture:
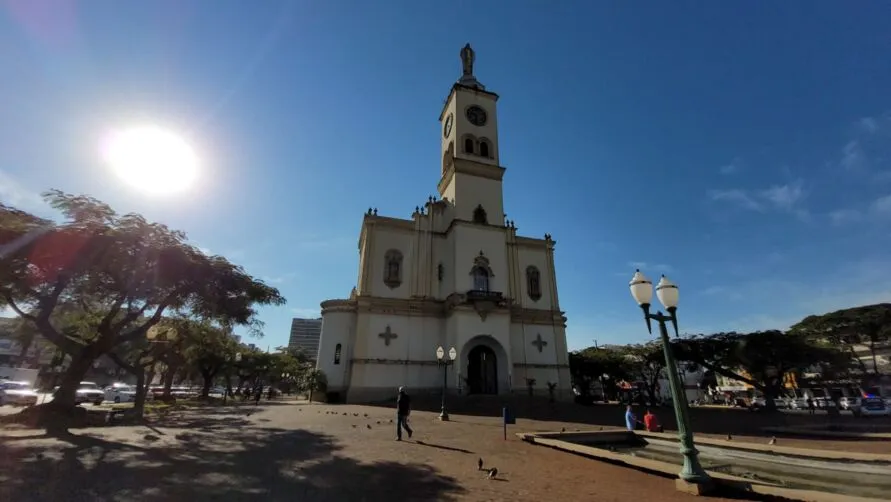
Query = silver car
x=17 y=394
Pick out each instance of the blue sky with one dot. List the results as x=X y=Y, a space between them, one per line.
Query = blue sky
x=745 y=151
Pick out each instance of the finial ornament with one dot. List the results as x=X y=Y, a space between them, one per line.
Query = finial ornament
x=467 y=58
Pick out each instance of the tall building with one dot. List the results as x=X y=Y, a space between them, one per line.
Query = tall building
x=305 y=334
x=457 y=274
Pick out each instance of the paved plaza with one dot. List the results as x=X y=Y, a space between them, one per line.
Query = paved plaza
x=308 y=452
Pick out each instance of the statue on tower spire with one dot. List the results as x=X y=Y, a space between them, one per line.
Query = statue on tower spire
x=467 y=57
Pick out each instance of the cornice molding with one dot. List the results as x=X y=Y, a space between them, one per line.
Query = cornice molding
x=431 y=307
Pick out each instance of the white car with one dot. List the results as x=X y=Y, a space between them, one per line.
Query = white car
x=120 y=393
x=17 y=394
x=873 y=406
x=89 y=392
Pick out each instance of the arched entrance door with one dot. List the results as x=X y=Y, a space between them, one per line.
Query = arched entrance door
x=482 y=371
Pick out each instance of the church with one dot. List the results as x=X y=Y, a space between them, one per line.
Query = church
x=455 y=275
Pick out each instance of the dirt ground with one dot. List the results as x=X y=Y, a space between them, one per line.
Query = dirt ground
x=309 y=452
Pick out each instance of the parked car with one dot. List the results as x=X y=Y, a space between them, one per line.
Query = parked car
x=873 y=406
x=120 y=393
x=17 y=393
x=89 y=392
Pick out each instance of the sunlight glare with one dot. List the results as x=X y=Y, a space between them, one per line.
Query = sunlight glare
x=151 y=159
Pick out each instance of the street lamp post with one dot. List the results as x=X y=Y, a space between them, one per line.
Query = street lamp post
x=445 y=363
x=667 y=292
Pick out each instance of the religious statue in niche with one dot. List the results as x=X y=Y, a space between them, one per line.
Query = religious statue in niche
x=533 y=282
x=393 y=268
x=479 y=215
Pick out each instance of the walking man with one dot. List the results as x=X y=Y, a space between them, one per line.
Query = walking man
x=403 y=410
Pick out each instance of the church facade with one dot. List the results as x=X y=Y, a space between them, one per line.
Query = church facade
x=455 y=275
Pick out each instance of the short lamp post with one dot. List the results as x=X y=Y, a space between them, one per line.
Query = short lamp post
x=667 y=292
x=445 y=363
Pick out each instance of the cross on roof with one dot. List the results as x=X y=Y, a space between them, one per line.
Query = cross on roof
x=387 y=335
x=538 y=342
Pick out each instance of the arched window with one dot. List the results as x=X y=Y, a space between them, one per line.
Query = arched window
x=479 y=215
x=393 y=268
x=481 y=272
x=533 y=283
x=468 y=145
x=337 y=354
x=480 y=279
x=484 y=148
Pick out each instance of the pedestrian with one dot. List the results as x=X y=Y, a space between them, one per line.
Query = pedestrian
x=630 y=418
x=651 y=423
x=403 y=410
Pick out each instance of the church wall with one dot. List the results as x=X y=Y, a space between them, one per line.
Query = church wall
x=337 y=328
x=478 y=191
x=469 y=241
x=409 y=359
x=526 y=356
x=443 y=253
x=539 y=258
x=385 y=239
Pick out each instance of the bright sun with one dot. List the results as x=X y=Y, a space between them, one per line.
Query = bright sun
x=151 y=159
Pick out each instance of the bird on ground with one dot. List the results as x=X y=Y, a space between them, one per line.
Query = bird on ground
x=563 y=429
x=479 y=464
x=368 y=425
x=773 y=440
x=354 y=426
x=493 y=473
x=729 y=437
x=365 y=415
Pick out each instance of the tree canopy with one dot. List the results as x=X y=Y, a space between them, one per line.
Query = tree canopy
x=869 y=325
x=122 y=272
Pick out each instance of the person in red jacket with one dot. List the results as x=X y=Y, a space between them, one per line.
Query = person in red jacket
x=651 y=422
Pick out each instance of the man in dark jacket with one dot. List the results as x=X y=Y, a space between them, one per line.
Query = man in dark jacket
x=403 y=410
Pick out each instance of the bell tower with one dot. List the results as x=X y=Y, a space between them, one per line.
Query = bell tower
x=471 y=172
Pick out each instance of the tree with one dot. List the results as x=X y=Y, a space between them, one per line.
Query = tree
x=646 y=364
x=589 y=365
x=869 y=325
x=209 y=349
x=132 y=272
x=315 y=381
x=760 y=359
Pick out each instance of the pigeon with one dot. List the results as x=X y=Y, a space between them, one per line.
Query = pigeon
x=368 y=425
x=40 y=456
x=601 y=428
x=344 y=414
x=378 y=422
x=479 y=464
x=773 y=441
x=354 y=426
x=563 y=429
x=150 y=437
x=493 y=473
x=729 y=437
x=365 y=415
x=355 y=414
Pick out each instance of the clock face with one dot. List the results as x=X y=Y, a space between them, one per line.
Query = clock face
x=447 y=129
x=476 y=116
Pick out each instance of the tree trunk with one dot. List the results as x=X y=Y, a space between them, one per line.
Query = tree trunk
x=168 y=381
x=208 y=380
x=80 y=364
x=26 y=341
x=872 y=351
x=141 y=389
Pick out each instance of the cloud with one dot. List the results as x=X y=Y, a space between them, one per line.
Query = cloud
x=307 y=313
x=14 y=193
x=881 y=206
x=853 y=157
x=736 y=196
x=845 y=216
x=786 y=197
x=279 y=279
x=734 y=166
x=646 y=267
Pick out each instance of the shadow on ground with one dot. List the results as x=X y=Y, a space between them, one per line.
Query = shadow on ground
x=705 y=419
x=204 y=458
